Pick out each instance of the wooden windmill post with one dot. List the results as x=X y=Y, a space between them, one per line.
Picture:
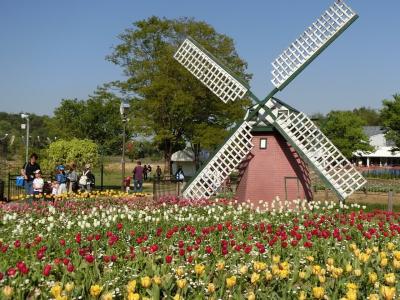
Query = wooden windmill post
x=275 y=143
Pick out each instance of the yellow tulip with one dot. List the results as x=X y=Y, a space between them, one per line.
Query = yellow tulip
x=330 y=261
x=255 y=277
x=357 y=272
x=372 y=277
x=180 y=271
x=178 y=297
x=388 y=292
x=220 y=265
x=211 y=287
x=199 y=269
x=321 y=278
x=8 y=291
x=396 y=264
x=243 y=269
x=318 y=292
x=131 y=286
x=259 y=266
x=349 y=268
x=157 y=280
x=69 y=287
x=268 y=275
x=310 y=258
x=145 y=282
x=251 y=296
x=384 y=262
x=302 y=295
x=95 y=290
x=181 y=283
x=390 y=246
x=302 y=275
x=373 y=297
x=231 y=281
x=56 y=290
x=276 y=258
x=337 y=272
x=133 y=296
x=396 y=254
x=390 y=278
x=351 y=294
x=107 y=296
x=316 y=269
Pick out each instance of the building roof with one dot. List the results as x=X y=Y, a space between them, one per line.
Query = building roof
x=373 y=130
x=380 y=152
x=186 y=154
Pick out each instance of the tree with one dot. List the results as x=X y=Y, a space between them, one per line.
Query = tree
x=97 y=119
x=169 y=103
x=370 y=116
x=390 y=115
x=76 y=151
x=345 y=130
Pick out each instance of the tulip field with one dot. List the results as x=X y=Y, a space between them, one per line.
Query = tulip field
x=122 y=247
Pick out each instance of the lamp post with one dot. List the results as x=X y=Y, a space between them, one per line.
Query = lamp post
x=123 y=109
x=26 y=116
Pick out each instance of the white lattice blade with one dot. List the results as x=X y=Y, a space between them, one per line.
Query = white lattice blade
x=217 y=170
x=319 y=35
x=320 y=152
x=217 y=78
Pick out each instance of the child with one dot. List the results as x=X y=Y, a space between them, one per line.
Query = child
x=38 y=183
x=54 y=188
x=61 y=180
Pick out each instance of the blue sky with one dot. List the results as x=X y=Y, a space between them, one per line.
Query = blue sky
x=52 y=50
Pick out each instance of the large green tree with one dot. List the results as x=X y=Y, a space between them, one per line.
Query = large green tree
x=345 y=130
x=370 y=116
x=169 y=103
x=97 y=118
x=390 y=115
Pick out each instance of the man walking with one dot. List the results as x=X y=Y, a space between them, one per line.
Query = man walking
x=28 y=171
x=138 y=177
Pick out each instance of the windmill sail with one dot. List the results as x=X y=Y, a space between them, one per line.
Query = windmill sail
x=312 y=144
x=222 y=163
x=311 y=43
x=212 y=74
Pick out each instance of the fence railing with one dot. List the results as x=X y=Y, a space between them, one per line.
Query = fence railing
x=167 y=186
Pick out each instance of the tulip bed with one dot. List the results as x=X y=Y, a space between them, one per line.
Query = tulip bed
x=125 y=248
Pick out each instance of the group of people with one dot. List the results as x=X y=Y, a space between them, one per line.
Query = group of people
x=139 y=174
x=65 y=180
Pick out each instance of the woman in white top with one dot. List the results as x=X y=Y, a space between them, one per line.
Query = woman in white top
x=38 y=183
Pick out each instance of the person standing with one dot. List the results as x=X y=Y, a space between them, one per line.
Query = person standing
x=38 y=184
x=145 y=172
x=138 y=173
x=61 y=180
x=158 y=173
x=28 y=171
x=73 y=179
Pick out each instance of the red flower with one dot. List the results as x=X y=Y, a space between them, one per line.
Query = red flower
x=89 y=258
x=68 y=252
x=17 y=244
x=47 y=270
x=62 y=242
x=97 y=237
x=106 y=258
x=78 y=238
x=11 y=271
x=70 y=268
x=1 y=276
x=168 y=259
x=209 y=250
x=119 y=226
x=181 y=252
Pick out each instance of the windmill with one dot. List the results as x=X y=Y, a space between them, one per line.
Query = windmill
x=291 y=141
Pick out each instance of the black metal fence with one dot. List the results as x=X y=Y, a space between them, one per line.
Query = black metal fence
x=167 y=187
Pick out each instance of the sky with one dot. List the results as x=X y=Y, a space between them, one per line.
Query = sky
x=51 y=50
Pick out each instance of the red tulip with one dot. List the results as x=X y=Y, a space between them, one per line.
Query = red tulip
x=11 y=271
x=89 y=258
x=168 y=259
x=70 y=268
x=62 y=242
x=68 y=252
x=17 y=244
x=47 y=270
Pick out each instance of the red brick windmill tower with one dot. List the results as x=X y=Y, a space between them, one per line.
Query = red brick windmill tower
x=274 y=144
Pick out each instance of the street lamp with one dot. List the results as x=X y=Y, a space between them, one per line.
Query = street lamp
x=123 y=109
x=26 y=116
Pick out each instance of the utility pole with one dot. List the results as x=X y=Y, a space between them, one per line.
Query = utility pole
x=123 y=109
x=26 y=116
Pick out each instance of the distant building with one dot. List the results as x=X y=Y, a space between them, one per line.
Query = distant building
x=185 y=158
x=382 y=155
